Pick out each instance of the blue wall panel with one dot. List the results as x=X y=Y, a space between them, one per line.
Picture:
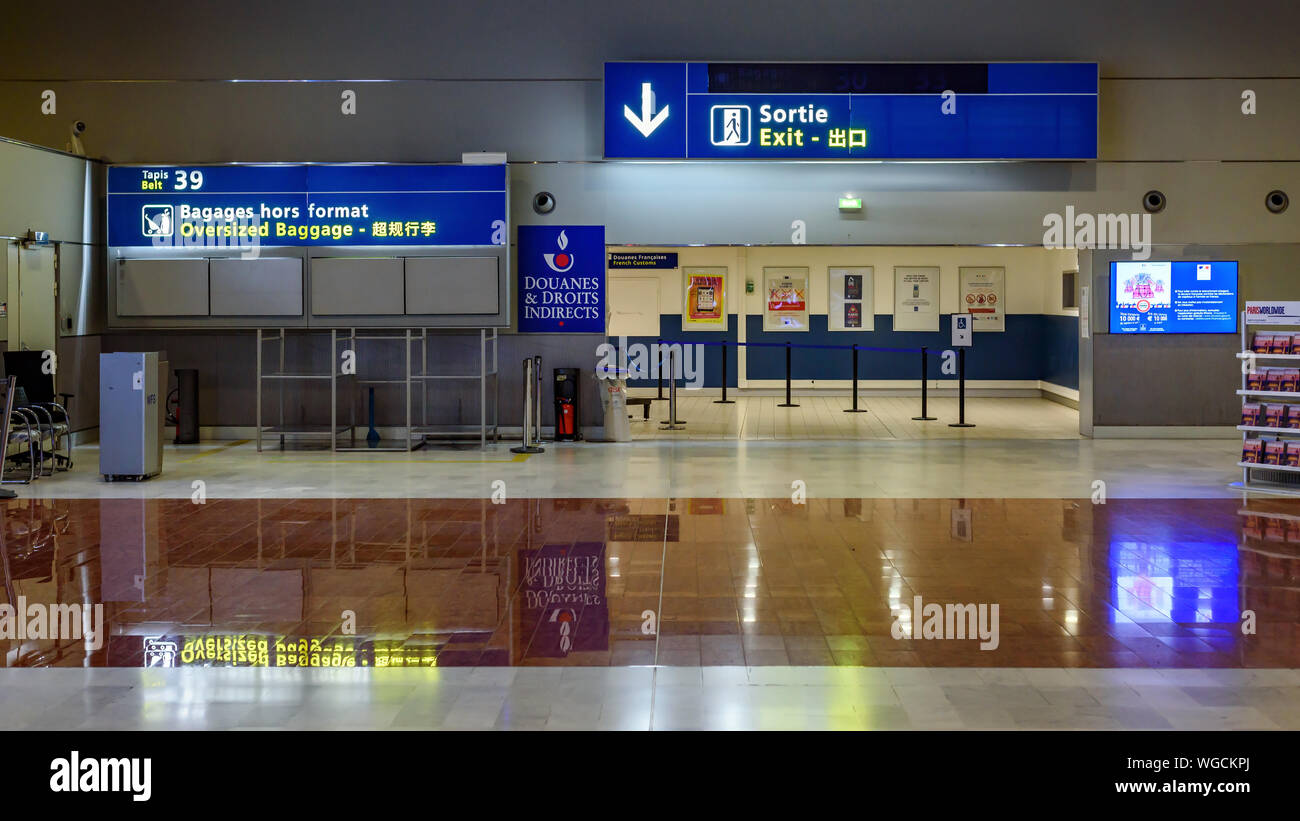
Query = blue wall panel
x=1061 y=350
x=670 y=327
x=1033 y=346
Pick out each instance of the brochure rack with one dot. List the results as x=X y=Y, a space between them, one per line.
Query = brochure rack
x=1276 y=478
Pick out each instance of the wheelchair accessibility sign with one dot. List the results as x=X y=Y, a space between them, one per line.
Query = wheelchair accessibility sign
x=156 y=221
x=961 y=330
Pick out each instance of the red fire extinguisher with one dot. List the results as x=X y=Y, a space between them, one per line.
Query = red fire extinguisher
x=564 y=424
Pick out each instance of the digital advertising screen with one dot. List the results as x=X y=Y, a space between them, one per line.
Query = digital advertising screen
x=1173 y=297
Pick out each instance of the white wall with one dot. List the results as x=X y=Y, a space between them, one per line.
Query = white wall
x=1033 y=274
x=60 y=194
x=670 y=279
x=1063 y=261
x=43 y=190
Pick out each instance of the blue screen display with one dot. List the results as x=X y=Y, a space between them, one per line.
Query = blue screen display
x=1173 y=297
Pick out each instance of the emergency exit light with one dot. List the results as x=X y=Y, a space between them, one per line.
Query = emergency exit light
x=850 y=203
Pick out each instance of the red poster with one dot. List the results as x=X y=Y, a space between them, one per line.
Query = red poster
x=786 y=296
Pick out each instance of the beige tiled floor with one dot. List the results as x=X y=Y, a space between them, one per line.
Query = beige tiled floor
x=913 y=468
x=824 y=417
x=641 y=698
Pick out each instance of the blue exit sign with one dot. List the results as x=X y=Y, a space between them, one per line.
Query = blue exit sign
x=827 y=111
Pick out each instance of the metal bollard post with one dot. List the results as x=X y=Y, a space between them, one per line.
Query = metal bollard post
x=538 y=398
x=659 y=347
x=788 y=403
x=855 y=408
x=925 y=410
x=529 y=442
x=724 y=400
x=961 y=392
x=672 y=422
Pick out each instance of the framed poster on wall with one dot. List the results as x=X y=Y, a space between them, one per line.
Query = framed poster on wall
x=785 y=299
x=916 y=298
x=704 y=300
x=982 y=293
x=851 y=299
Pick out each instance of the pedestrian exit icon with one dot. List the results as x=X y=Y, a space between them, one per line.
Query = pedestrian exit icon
x=729 y=125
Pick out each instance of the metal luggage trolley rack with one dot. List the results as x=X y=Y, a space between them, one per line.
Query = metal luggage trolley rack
x=412 y=435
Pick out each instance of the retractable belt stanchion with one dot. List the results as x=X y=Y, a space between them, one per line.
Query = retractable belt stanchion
x=787 y=403
x=855 y=408
x=537 y=401
x=925 y=410
x=961 y=392
x=529 y=441
x=659 y=346
x=724 y=400
x=672 y=422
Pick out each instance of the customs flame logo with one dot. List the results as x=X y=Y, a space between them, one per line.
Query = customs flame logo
x=563 y=261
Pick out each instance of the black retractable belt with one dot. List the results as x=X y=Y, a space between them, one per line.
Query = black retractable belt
x=787 y=403
x=659 y=346
x=961 y=392
x=724 y=400
x=925 y=410
x=855 y=408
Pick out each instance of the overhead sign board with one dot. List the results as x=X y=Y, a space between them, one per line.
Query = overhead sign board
x=331 y=205
x=561 y=279
x=642 y=259
x=792 y=111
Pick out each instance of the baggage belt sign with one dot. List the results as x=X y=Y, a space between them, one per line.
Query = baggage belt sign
x=354 y=205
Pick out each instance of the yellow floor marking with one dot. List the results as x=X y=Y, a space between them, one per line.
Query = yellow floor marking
x=518 y=457
x=226 y=446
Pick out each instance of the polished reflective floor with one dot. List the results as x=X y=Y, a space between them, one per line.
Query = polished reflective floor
x=649 y=698
x=740 y=583
x=657 y=585
x=903 y=469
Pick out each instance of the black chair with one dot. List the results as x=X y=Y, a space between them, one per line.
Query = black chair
x=35 y=398
x=19 y=440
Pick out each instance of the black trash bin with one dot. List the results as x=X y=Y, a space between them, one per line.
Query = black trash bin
x=187 y=406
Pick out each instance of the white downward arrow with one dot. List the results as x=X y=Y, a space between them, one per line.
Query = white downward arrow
x=648 y=121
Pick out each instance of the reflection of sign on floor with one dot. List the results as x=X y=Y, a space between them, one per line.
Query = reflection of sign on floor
x=961 y=523
x=251 y=650
x=706 y=507
x=643 y=528
x=563 y=599
x=160 y=652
